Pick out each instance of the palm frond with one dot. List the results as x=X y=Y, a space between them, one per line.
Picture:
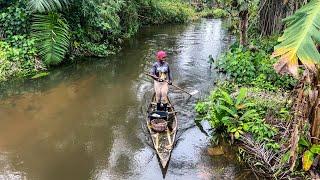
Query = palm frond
x=46 y=5
x=299 y=40
x=52 y=32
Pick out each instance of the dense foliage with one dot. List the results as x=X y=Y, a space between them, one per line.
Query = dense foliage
x=295 y=142
x=253 y=109
x=242 y=111
x=166 y=11
x=237 y=114
x=43 y=33
x=253 y=66
x=299 y=54
x=213 y=13
x=18 y=57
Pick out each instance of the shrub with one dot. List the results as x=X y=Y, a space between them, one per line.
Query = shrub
x=213 y=13
x=254 y=67
x=236 y=115
x=161 y=12
x=14 y=20
x=238 y=64
x=17 y=57
x=7 y=68
x=95 y=49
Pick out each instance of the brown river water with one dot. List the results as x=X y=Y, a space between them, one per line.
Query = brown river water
x=86 y=120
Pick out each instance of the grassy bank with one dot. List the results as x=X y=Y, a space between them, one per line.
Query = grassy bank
x=35 y=36
x=213 y=13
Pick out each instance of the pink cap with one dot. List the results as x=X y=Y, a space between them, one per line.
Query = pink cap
x=161 y=54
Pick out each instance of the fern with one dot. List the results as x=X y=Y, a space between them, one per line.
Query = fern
x=46 y=5
x=52 y=33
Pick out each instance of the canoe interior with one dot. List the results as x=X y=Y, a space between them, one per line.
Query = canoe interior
x=163 y=142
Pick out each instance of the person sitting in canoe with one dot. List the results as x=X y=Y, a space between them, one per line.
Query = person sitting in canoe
x=162 y=77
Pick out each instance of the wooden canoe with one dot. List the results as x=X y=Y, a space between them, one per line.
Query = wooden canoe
x=163 y=141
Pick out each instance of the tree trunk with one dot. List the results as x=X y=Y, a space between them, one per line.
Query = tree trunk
x=307 y=104
x=315 y=121
x=305 y=96
x=244 y=18
x=272 y=12
x=315 y=126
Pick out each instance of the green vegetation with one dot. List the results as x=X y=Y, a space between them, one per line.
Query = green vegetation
x=254 y=66
x=254 y=93
x=300 y=40
x=252 y=108
x=52 y=34
x=161 y=12
x=299 y=55
x=18 y=57
x=236 y=115
x=213 y=13
x=38 y=34
x=269 y=106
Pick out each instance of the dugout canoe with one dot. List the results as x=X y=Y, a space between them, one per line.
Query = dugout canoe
x=163 y=142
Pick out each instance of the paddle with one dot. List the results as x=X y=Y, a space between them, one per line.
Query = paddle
x=191 y=94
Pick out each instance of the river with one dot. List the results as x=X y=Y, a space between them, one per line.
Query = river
x=86 y=120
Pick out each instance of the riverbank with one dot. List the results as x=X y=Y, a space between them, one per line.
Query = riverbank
x=273 y=118
x=35 y=37
x=253 y=109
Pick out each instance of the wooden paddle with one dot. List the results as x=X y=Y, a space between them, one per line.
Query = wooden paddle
x=191 y=94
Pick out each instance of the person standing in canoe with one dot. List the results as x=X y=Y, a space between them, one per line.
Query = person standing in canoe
x=162 y=78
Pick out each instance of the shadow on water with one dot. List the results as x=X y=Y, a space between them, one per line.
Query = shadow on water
x=87 y=120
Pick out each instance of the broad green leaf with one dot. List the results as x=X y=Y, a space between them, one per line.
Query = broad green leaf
x=226 y=97
x=249 y=114
x=230 y=111
x=53 y=37
x=46 y=5
x=307 y=160
x=237 y=135
x=233 y=130
x=242 y=94
x=299 y=40
x=225 y=120
x=40 y=75
x=249 y=104
x=315 y=148
x=285 y=157
x=245 y=127
x=304 y=142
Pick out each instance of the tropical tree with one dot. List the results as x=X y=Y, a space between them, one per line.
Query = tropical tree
x=299 y=56
x=51 y=29
x=52 y=33
x=46 y=5
x=239 y=13
x=299 y=41
x=243 y=7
